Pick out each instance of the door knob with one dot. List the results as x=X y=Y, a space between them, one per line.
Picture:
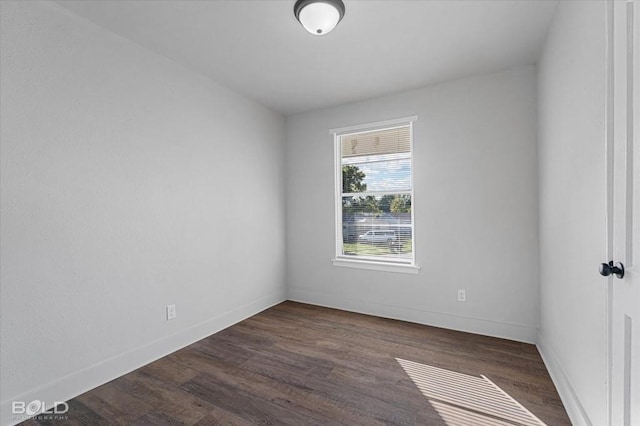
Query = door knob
x=607 y=269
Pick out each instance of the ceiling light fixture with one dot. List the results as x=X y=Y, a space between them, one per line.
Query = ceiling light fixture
x=319 y=16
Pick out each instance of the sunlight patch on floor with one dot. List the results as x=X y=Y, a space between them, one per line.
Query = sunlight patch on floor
x=465 y=400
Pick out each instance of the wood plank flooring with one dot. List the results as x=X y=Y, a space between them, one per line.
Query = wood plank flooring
x=298 y=364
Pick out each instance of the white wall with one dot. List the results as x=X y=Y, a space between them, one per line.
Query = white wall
x=475 y=208
x=128 y=183
x=572 y=208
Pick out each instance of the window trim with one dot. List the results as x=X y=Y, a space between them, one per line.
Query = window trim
x=376 y=125
x=405 y=268
x=408 y=266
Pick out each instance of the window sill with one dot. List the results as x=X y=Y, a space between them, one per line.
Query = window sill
x=376 y=266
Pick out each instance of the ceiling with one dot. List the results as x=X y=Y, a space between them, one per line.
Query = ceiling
x=257 y=48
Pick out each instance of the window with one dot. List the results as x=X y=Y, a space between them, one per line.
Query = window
x=374 y=195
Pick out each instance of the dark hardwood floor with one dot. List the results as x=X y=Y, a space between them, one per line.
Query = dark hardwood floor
x=299 y=364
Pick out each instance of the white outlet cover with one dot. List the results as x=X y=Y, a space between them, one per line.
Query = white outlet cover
x=171 y=312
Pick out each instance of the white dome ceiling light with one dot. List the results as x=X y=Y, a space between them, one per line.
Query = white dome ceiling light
x=319 y=16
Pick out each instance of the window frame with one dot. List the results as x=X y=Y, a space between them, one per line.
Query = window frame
x=369 y=262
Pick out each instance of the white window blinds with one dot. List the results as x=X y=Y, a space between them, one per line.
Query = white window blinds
x=375 y=195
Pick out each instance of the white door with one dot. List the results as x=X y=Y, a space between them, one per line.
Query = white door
x=623 y=149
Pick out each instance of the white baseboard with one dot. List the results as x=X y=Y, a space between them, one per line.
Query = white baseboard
x=572 y=405
x=79 y=382
x=517 y=332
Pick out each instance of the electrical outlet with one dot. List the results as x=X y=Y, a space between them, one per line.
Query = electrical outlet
x=171 y=312
x=462 y=296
